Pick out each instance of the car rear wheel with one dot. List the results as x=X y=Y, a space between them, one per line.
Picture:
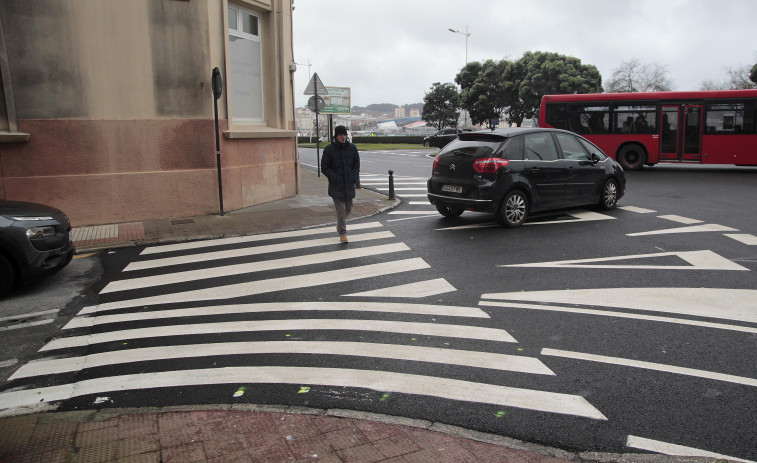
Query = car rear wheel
x=7 y=275
x=513 y=210
x=449 y=211
x=427 y=144
x=632 y=157
x=609 y=197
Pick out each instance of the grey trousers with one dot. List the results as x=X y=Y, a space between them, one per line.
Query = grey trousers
x=343 y=209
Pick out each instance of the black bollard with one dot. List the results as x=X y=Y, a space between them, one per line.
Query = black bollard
x=391 y=184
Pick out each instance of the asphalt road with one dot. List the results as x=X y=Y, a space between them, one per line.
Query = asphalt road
x=620 y=331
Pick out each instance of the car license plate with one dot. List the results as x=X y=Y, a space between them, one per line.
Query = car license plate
x=452 y=188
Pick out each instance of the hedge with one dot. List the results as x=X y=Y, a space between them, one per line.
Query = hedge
x=411 y=139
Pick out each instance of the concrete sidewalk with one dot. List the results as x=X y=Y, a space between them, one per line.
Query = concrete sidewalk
x=310 y=208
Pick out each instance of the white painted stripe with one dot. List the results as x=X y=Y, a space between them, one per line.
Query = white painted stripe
x=605 y=313
x=698 y=260
x=358 y=306
x=271 y=285
x=468 y=227
x=651 y=366
x=421 y=203
x=396 y=183
x=11 y=362
x=411 y=290
x=694 y=229
x=679 y=219
x=665 y=448
x=747 y=239
x=639 y=210
x=381 y=381
x=27 y=325
x=406 y=189
x=414 y=213
x=728 y=304
x=580 y=216
x=474 y=359
x=251 y=238
x=29 y=315
x=216 y=272
x=413 y=195
x=411 y=218
x=251 y=251
x=403 y=327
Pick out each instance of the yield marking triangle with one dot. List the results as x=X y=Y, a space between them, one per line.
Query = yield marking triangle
x=697 y=260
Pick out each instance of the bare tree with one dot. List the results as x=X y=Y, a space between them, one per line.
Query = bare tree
x=737 y=78
x=635 y=76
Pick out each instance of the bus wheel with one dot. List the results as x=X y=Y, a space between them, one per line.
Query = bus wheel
x=632 y=157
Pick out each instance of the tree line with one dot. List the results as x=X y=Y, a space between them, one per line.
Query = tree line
x=492 y=90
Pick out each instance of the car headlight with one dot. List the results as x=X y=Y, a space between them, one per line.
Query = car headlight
x=40 y=232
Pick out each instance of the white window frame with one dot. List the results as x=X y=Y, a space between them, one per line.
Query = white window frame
x=235 y=30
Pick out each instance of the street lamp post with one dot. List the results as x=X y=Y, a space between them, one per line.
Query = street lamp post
x=466 y=34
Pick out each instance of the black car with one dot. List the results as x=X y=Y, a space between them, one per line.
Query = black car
x=442 y=137
x=35 y=240
x=514 y=172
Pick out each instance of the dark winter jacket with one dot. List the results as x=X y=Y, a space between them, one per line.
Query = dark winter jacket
x=341 y=165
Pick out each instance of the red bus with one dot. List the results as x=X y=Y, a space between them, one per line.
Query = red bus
x=709 y=127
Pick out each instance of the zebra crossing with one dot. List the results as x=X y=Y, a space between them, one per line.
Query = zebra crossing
x=174 y=307
x=412 y=189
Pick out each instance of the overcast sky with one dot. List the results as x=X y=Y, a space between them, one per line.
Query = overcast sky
x=391 y=51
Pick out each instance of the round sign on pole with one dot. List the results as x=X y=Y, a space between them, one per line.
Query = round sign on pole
x=311 y=104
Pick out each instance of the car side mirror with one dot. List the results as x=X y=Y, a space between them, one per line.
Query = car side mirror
x=594 y=158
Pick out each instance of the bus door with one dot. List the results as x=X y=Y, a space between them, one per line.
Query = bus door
x=681 y=132
x=692 y=133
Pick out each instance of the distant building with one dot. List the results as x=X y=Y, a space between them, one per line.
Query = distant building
x=399 y=112
x=415 y=112
x=106 y=108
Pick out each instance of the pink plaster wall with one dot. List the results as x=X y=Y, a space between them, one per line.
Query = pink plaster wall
x=109 y=171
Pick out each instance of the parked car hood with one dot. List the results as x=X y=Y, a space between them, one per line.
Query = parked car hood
x=19 y=208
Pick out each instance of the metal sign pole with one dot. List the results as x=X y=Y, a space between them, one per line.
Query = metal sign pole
x=217 y=84
x=317 y=136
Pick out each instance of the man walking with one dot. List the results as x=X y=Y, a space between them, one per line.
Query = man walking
x=341 y=165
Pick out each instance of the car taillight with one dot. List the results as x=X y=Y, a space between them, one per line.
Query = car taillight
x=489 y=165
x=436 y=163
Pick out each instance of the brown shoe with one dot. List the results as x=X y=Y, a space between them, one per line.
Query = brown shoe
x=343 y=238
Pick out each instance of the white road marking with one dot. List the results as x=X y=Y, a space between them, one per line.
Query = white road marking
x=251 y=251
x=29 y=315
x=639 y=210
x=274 y=284
x=81 y=321
x=747 y=239
x=251 y=238
x=411 y=218
x=694 y=229
x=679 y=219
x=421 y=203
x=697 y=260
x=413 y=195
x=651 y=366
x=406 y=189
x=606 y=313
x=396 y=183
x=27 y=325
x=381 y=381
x=580 y=216
x=403 y=327
x=414 y=213
x=252 y=267
x=721 y=303
x=665 y=448
x=468 y=227
x=8 y=363
x=411 y=290
x=474 y=359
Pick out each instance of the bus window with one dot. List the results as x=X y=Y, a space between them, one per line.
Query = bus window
x=635 y=119
x=588 y=118
x=731 y=118
x=557 y=115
